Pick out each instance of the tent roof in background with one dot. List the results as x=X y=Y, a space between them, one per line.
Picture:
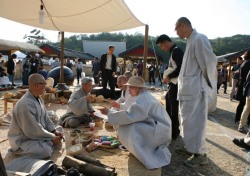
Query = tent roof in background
x=20 y=55
x=22 y=46
x=56 y=51
x=138 y=51
x=78 y=16
x=226 y=57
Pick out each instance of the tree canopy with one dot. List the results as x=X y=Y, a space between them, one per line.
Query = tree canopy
x=220 y=46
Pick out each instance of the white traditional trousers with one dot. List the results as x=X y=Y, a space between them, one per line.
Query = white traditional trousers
x=194 y=115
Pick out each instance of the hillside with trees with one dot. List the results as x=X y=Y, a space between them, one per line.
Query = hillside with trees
x=221 y=46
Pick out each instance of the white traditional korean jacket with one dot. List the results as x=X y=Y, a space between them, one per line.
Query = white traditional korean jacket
x=198 y=69
x=126 y=99
x=145 y=130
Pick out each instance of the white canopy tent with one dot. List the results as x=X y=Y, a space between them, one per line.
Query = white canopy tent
x=77 y=16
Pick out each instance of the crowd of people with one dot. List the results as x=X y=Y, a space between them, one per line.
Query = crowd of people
x=144 y=127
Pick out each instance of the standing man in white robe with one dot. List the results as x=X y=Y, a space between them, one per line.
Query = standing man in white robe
x=145 y=127
x=195 y=83
x=31 y=132
x=79 y=108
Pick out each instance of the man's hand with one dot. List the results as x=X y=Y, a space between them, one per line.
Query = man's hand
x=92 y=114
x=57 y=133
x=113 y=74
x=90 y=98
x=115 y=104
x=57 y=140
x=104 y=110
x=166 y=80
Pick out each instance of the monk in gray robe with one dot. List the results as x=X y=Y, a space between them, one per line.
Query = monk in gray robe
x=79 y=107
x=31 y=132
x=195 y=81
x=145 y=127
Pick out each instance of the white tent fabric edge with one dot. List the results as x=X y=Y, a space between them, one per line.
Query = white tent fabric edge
x=77 y=16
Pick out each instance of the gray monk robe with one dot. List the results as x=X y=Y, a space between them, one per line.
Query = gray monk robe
x=195 y=83
x=30 y=132
x=78 y=111
x=145 y=130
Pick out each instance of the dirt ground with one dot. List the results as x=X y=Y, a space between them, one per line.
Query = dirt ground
x=225 y=159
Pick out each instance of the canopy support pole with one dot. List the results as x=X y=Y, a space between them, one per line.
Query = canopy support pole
x=62 y=58
x=61 y=85
x=145 y=54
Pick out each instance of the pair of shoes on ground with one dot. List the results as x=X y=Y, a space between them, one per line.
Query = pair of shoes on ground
x=183 y=151
x=241 y=143
x=194 y=160
x=243 y=129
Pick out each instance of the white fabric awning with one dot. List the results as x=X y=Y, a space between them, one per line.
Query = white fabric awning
x=77 y=16
x=13 y=45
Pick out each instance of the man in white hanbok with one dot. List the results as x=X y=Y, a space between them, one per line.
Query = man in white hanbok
x=79 y=107
x=31 y=132
x=195 y=83
x=126 y=99
x=145 y=127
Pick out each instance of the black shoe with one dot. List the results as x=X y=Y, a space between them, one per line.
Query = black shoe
x=241 y=143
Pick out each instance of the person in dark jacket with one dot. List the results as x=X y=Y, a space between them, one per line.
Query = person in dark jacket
x=151 y=73
x=244 y=69
x=34 y=63
x=95 y=70
x=11 y=68
x=107 y=69
x=175 y=62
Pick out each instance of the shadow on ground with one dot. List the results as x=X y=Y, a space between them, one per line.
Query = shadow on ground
x=224 y=117
x=176 y=167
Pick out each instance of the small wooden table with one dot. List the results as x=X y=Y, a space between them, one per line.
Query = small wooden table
x=6 y=101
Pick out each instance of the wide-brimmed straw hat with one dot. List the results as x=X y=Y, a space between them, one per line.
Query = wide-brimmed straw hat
x=136 y=81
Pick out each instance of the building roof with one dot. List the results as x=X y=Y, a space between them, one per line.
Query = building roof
x=55 y=51
x=137 y=53
x=226 y=57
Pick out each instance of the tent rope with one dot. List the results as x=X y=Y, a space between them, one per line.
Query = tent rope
x=49 y=15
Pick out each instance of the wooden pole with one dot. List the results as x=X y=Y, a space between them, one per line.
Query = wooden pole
x=145 y=53
x=62 y=58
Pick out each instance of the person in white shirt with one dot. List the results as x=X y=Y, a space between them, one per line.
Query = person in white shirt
x=107 y=70
x=79 y=66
